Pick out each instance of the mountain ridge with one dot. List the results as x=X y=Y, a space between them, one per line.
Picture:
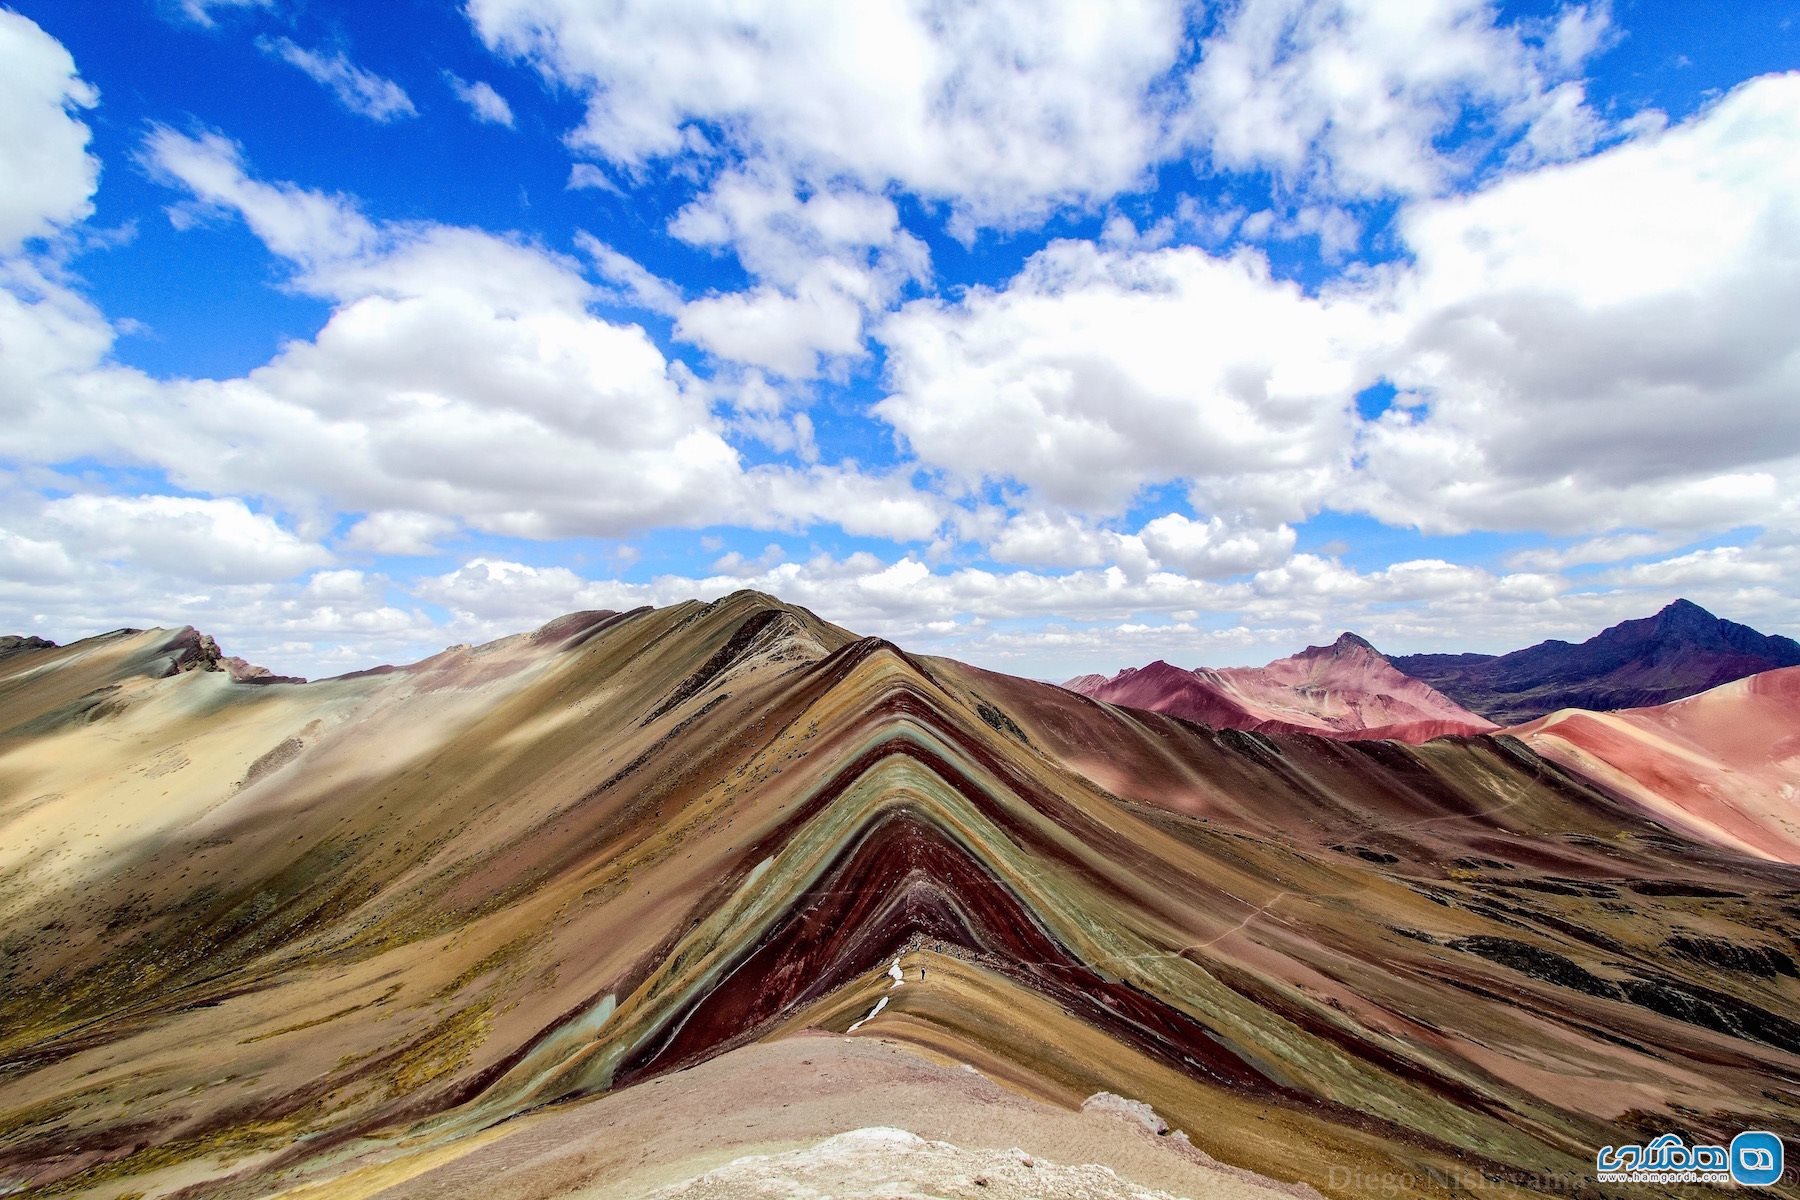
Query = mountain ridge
x=1344 y=689
x=517 y=886
x=1679 y=651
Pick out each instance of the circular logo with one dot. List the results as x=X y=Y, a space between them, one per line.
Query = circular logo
x=1756 y=1158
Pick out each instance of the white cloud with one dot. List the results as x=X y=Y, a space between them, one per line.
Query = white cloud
x=313 y=627
x=636 y=285
x=759 y=413
x=502 y=595
x=765 y=327
x=489 y=106
x=460 y=377
x=28 y=560
x=1096 y=372
x=997 y=617
x=1213 y=550
x=1172 y=543
x=396 y=532
x=50 y=176
x=49 y=333
x=1608 y=342
x=824 y=258
x=200 y=12
x=1600 y=348
x=1003 y=109
x=734 y=563
x=1611 y=548
x=360 y=91
x=781 y=228
x=1356 y=97
x=182 y=536
x=1733 y=566
x=1634 y=300
x=858 y=502
x=1046 y=538
x=307 y=228
x=587 y=175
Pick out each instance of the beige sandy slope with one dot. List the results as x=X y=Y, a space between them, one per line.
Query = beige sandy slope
x=771 y=1120
x=1723 y=766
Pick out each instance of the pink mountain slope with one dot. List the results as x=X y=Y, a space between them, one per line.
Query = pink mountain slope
x=1723 y=765
x=1344 y=690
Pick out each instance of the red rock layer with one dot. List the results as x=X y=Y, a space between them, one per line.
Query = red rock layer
x=1345 y=690
x=1721 y=766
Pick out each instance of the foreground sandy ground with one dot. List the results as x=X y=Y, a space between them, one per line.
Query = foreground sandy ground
x=815 y=1115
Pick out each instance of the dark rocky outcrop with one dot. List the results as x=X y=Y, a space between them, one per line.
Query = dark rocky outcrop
x=14 y=643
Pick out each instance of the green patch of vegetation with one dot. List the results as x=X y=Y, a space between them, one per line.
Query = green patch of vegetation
x=224 y=1144
x=442 y=1051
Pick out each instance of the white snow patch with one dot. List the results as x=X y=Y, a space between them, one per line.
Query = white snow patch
x=879 y=1005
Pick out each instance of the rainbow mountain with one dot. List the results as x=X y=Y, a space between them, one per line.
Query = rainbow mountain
x=716 y=899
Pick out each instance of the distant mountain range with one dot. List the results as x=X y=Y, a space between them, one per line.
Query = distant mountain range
x=1349 y=690
x=1681 y=651
x=1346 y=689
x=637 y=894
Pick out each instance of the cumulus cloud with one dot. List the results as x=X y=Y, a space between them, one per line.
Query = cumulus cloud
x=1002 y=109
x=1636 y=300
x=1610 y=548
x=881 y=595
x=460 y=375
x=1045 y=538
x=1097 y=371
x=1005 y=111
x=309 y=229
x=1098 y=618
x=31 y=561
x=395 y=532
x=293 y=627
x=1211 y=549
x=587 y=176
x=362 y=92
x=86 y=563
x=220 y=539
x=780 y=331
x=1356 y=98
x=50 y=176
x=462 y=383
x=824 y=259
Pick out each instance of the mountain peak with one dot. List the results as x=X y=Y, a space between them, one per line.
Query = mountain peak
x=1347 y=645
x=1337 y=690
x=1685 y=614
x=1680 y=650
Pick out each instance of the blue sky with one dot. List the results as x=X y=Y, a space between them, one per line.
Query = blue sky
x=1052 y=339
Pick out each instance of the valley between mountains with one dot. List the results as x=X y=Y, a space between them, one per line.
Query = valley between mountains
x=717 y=899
